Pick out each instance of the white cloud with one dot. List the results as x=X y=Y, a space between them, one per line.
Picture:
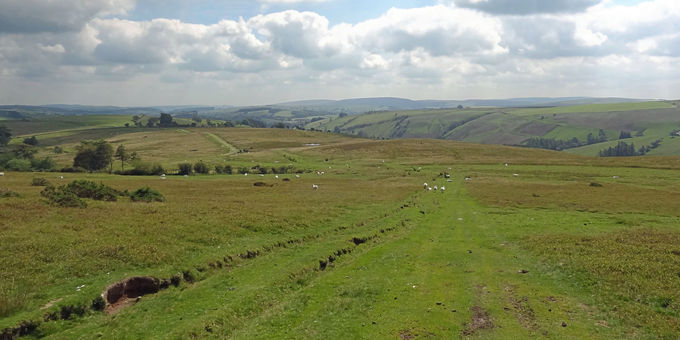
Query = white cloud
x=33 y=16
x=437 y=51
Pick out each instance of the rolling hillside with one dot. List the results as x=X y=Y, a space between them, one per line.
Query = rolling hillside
x=645 y=121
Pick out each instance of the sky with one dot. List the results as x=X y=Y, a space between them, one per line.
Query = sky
x=238 y=52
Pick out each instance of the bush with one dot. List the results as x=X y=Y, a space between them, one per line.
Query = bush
x=144 y=169
x=6 y=193
x=40 y=182
x=45 y=164
x=219 y=169
x=73 y=169
x=227 y=169
x=185 y=169
x=62 y=197
x=201 y=168
x=90 y=189
x=146 y=194
x=98 y=303
x=17 y=164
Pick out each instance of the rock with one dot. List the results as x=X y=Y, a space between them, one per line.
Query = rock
x=564 y=324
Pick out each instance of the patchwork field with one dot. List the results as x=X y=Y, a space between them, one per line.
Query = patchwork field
x=551 y=245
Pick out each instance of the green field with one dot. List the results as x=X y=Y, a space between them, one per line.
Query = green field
x=562 y=250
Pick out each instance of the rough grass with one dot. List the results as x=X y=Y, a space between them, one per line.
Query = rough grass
x=478 y=260
x=616 y=267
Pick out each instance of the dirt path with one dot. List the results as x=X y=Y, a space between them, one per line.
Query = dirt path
x=231 y=150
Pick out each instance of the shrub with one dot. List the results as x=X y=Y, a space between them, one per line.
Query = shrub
x=227 y=169
x=185 y=169
x=90 y=189
x=243 y=170
x=144 y=169
x=40 y=182
x=45 y=164
x=6 y=193
x=146 y=194
x=201 y=168
x=98 y=303
x=17 y=164
x=73 y=169
x=62 y=197
x=219 y=169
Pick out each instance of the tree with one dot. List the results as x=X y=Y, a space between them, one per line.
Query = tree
x=185 y=169
x=201 y=168
x=624 y=135
x=137 y=120
x=165 y=120
x=153 y=121
x=195 y=117
x=31 y=141
x=93 y=155
x=602 y=136
x=5 y=135
x=122 y=155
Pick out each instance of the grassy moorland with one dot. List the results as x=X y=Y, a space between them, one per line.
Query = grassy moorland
x=561 y=250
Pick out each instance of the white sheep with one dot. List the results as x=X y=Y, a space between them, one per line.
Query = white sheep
x=615 y=177
x=435 y=188
x=425 y=186
x=2 y=173
x=516 y=175
x=442 y=188
x=315 y=187
x=467 y=179
x=276 y=176
x=506 y=165
x=429 y=189
x=61 y=177
x=297 y=176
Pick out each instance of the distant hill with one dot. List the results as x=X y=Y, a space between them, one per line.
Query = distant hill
x=362 y=105
x=551 y=127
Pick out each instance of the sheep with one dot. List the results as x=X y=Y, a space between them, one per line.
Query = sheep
x=467 y=179
x=429 y=189
x=442 y=188
x=315 y=187
x=297 y=176
x=516 y=175
x=162 y=175
x=615 y=177
x=246 y=174
x=276 y=176
x=506 y=165
x=2 y=173
x=435 y=188
x=425 y=186
x=61 y=177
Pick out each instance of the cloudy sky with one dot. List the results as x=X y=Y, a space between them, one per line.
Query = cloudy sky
x=238 y=52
